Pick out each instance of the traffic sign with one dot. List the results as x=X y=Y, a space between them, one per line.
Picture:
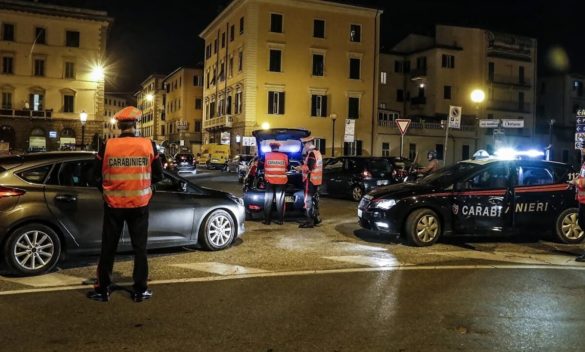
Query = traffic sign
x=349 y=136
x=579 y=140
x=489 y=123
x=512 y=123
x=454 y=116
x=402 y=125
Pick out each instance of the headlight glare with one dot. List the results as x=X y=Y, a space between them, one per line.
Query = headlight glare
x=385 y=203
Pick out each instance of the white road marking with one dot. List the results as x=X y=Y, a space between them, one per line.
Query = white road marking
x=512 y=257
x=390 y=261
x=48 y=280
x=313 y=272
x=220 y=268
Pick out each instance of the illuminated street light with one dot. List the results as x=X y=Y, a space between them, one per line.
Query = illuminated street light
x=265 y=126
x=149 y=97
x=83 y=120
x=477 y=96
x=98 y=73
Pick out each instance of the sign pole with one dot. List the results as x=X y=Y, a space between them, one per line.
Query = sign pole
x=401 y=144
x=446 y=140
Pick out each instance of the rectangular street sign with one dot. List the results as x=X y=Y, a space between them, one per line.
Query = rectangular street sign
x=579 y=140
x=454 y=116
x=349 y=136
x=513 y=123
x=489 y=123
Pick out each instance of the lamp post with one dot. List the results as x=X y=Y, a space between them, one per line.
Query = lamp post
x=549 y=149
x=333 y=118
x=83 y=119
x=477 y=96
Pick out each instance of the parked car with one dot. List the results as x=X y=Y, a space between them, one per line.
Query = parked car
x=480 y=198
x=49 y=205
x=290 y=143
x=238 y=162
x=354 y=176
x=185 y=163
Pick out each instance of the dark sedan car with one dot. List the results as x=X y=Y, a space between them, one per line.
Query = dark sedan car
x=49 y=204
x=354 y=176
x=480 y=197
x=185 y=163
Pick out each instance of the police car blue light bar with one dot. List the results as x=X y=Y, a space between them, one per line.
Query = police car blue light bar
x=512 y=154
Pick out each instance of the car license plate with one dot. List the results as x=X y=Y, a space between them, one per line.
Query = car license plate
x=382 y=182
x=289 y=199
x=183 y=164
x=359 y=213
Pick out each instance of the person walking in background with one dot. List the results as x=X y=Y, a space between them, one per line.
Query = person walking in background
x=126 y=168
x=312 y=169
x=275 y=167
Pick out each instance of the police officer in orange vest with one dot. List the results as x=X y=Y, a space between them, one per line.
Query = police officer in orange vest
x=580 y=183
x=312 y=169
x=275 y=167
x=126 y=168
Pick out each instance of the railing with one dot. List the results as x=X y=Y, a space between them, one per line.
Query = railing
x=217 y=122
x=423 y=125
x=418 y=72
x=512 y=106
x=41 y=114
x=509 y=80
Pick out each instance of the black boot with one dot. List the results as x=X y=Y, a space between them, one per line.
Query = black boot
x=580 y=258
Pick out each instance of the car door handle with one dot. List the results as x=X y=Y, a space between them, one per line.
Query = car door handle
x=67 y=198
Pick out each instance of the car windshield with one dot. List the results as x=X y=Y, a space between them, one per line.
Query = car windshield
x=379 y=165
x=449 y=175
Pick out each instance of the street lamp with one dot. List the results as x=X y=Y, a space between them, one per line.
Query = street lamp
x=333 y=118
x=98 y=73
x=551 y=122
x=477 y=96
x=265 y=126
x=83 y=119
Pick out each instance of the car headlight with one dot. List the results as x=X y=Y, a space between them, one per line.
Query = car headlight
x=385 y=203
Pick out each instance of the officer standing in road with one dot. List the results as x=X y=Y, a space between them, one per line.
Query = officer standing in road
x=433 y=164
x=275 y=167
x=312 y=178
x=126 y=168
x=580 y=183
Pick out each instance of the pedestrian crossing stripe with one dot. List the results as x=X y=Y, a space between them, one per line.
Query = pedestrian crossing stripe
x=512 y=257
x=220 y=268
x=387 y=261
x=47 y=280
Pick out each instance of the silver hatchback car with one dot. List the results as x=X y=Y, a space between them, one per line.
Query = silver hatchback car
x=49 y=205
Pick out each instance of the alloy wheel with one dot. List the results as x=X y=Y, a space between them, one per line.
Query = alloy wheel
x=34 y=250
x=220 y=230
x=427 y=228
x=570 y=227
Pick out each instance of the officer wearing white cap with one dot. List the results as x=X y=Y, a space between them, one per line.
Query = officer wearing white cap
x=126 y=168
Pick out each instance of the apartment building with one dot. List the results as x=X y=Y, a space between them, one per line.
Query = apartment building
x=421 y=76
x=51 y=77
x=295 y=64
x=151 y=100
x=184 y=109
x=112 y=104
x=559 y=99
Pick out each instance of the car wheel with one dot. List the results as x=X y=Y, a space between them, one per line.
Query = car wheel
x=357 y=193
x=423 y=227
x=32 y=249
x=218 y=231
x=567 y=227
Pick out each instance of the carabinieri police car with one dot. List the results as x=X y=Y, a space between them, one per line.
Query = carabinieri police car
x=478 y=197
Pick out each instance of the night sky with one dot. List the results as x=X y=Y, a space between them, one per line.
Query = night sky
x=160 y=36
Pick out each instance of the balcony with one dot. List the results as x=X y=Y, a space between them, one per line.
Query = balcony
x=418 y=100
x=218 y=122
x=506 y=80
x=26 y=113
x=418 y=73
x=509 y=106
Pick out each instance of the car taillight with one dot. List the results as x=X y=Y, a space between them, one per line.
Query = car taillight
x=366 y=174
x=10 y=192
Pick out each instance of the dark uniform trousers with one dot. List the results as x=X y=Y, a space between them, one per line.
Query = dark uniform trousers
x=312 y=203
x=274 y=191
x=137 y=221
x=581 y=218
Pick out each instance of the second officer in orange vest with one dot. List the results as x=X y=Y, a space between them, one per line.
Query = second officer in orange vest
x=275 y=168
x=129 y=165
x=312 y=178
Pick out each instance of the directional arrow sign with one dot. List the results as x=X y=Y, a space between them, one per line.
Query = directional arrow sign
x=402 y=125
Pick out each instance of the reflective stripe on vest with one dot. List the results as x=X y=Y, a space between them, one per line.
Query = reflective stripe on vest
x=580 y=185
x=126 y=170
x=275 y=167
x=316 y=176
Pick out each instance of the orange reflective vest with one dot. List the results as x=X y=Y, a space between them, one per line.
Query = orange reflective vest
x=275 y=167
x=581 y=185
x=126 y=170
x=316 y=177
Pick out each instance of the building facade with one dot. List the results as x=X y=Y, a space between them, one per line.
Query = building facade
x=51 y=75
x=421 y=77
x=293 y=64
x=151 y=100
x=560 y=97
x=184 y=109
x=112 y=104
